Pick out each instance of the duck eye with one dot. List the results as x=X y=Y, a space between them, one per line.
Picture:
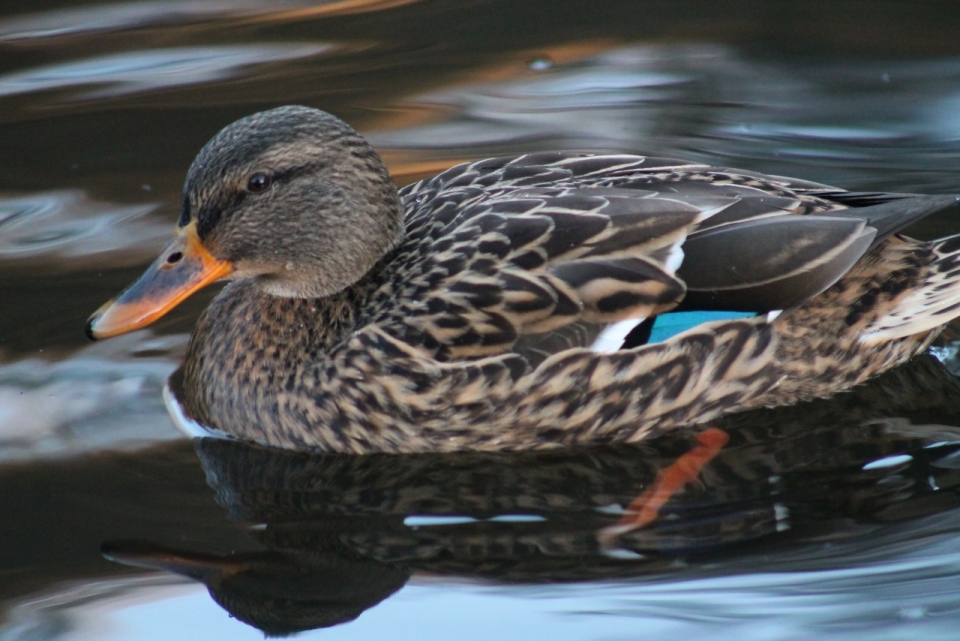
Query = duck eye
x=258 y=182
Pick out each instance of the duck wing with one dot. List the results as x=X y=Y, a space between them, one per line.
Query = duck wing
x=532 y=261
x=544 y=252
x=770 y=263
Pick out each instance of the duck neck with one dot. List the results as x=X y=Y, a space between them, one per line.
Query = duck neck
x=250 y=348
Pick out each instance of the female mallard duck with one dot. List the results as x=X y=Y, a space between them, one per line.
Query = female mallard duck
x=498 y=305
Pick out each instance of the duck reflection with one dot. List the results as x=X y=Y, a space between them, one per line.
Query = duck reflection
x=340 y=533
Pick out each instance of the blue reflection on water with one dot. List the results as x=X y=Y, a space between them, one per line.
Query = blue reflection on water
x=912 y=596
x=139 y=71
x=60 y=226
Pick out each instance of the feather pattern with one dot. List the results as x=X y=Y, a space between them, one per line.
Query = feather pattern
x=470 y=323
x=925 y=305
x=474 y=332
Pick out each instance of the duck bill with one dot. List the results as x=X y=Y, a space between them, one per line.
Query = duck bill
x=183 y=267
x=202 y=567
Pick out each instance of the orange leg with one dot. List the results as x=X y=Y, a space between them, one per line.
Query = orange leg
x=644 y=509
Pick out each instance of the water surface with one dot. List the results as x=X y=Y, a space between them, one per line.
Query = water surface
x=837 y=519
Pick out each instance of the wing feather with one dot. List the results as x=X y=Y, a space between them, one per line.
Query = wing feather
x=520 y=247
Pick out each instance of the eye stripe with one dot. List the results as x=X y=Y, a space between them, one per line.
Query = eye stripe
x=210 y=214
x=208 y=218
x=294 y=172
x=184 y=219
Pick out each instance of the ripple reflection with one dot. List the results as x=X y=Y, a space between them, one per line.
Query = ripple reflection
x=707 y=102
x=141 y=71
x=67 y=230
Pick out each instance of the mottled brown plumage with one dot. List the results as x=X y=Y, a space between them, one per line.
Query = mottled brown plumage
x=460 y=313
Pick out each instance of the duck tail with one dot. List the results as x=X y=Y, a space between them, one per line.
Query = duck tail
x=891 y=213
x=932 y=303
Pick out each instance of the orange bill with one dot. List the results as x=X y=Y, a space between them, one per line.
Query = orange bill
x=183 y=267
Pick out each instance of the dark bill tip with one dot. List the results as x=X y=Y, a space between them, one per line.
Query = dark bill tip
x=88 y=328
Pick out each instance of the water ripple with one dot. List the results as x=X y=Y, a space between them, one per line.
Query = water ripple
x=708 y=102
x=106 y=397
x=149 y=70
x=131 y=15
x=65 y=229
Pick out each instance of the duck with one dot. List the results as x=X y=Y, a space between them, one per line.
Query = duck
x=508 y=303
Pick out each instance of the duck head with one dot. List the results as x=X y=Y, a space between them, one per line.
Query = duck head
x=292 y=198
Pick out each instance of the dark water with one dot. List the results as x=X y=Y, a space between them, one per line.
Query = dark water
x=837 y=519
